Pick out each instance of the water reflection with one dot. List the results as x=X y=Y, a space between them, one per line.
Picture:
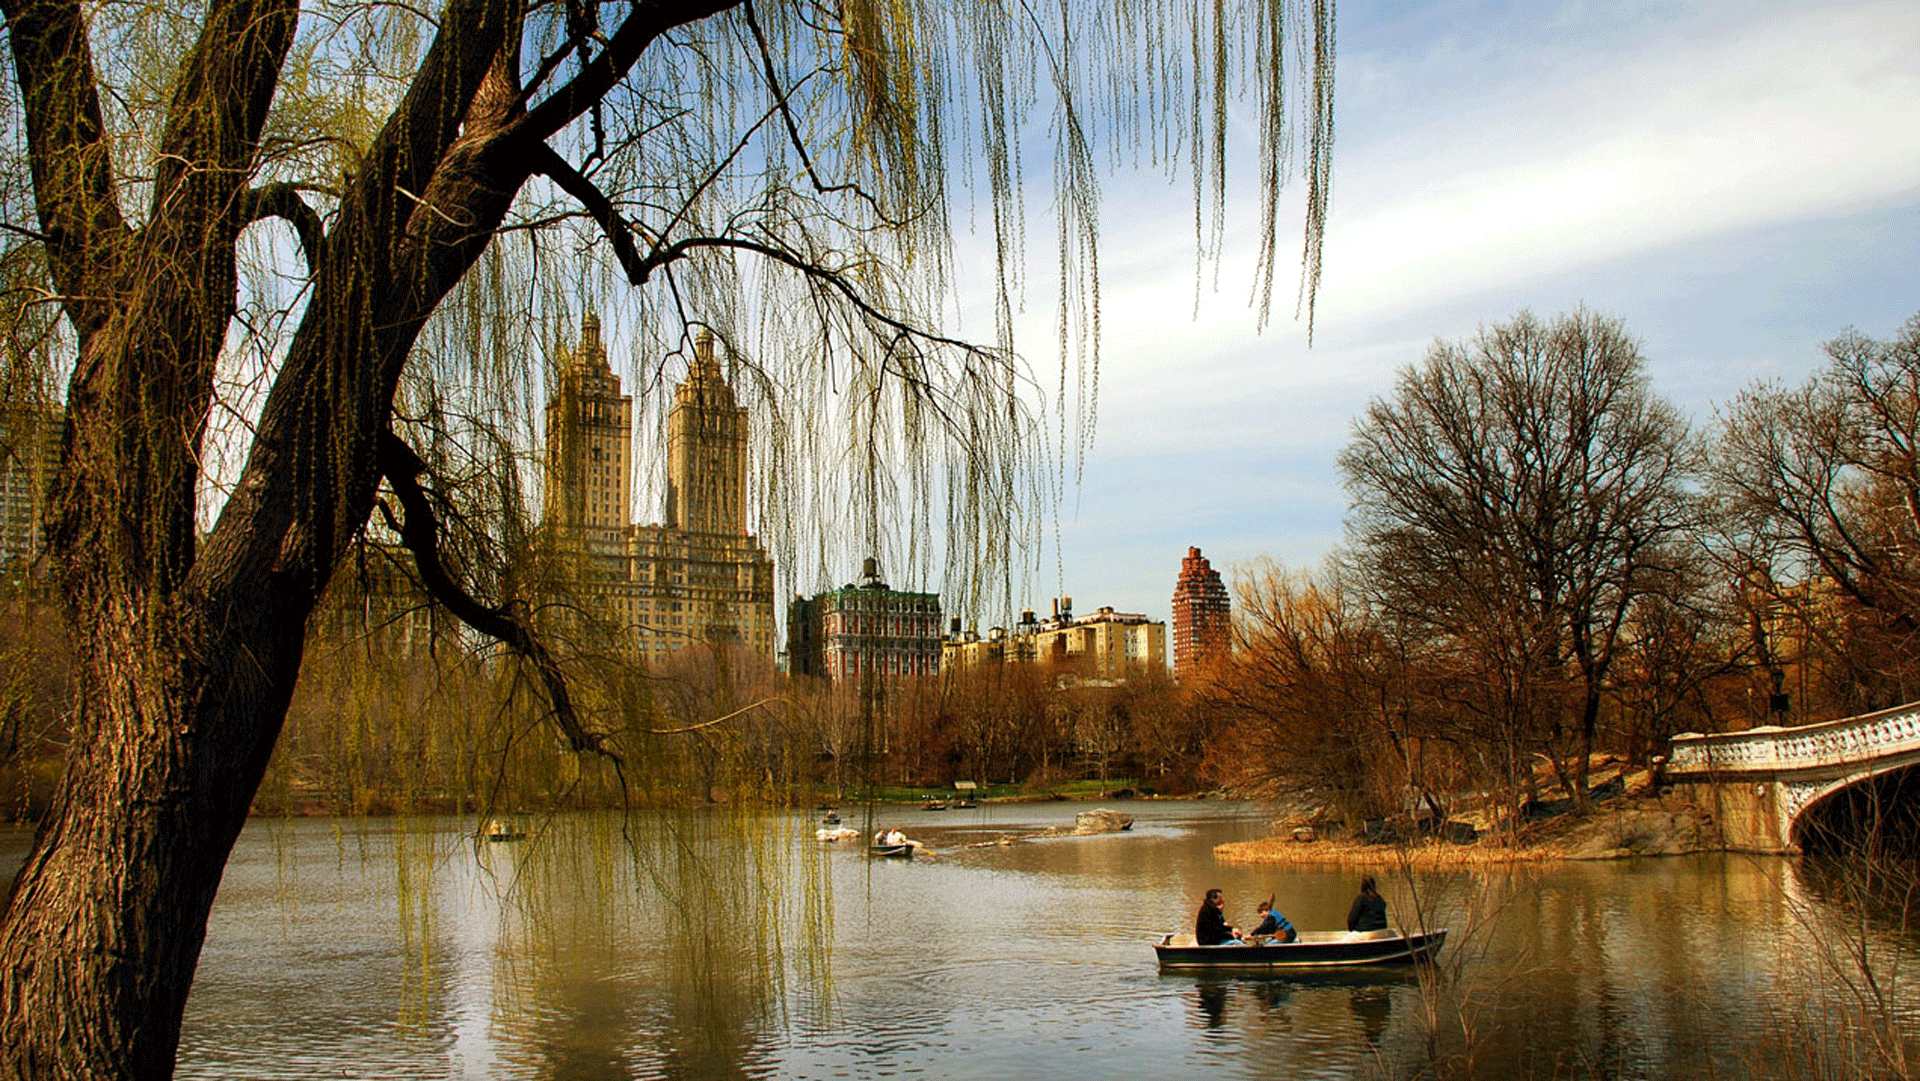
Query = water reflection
x=1373 y=1008
x=724 y=945
x=1211 y=998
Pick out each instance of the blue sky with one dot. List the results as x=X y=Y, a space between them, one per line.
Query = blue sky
x=1739 y=183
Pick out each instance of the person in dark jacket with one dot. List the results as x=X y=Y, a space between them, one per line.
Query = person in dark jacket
x=1210 y=927
x=1369 y=911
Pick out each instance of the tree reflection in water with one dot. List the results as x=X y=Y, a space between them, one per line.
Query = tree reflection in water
x=652 y=945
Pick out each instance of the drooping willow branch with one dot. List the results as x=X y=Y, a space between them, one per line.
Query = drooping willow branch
x=420 y=533
x=793 y=130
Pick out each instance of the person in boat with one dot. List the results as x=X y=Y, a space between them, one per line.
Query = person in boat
x=1369 y=910
x=1210 y=927
x=1273 y=926
x=890 y=837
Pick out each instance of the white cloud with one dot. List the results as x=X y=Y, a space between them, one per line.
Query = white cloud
x=1803 y=115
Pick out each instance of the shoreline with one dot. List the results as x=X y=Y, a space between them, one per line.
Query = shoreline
x=1649 y=826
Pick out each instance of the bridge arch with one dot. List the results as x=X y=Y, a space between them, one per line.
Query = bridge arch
x=1875 y=812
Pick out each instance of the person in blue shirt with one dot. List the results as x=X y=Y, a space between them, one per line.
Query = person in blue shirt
x=1273 y=926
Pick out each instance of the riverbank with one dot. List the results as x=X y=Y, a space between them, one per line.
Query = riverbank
x=1620 y=828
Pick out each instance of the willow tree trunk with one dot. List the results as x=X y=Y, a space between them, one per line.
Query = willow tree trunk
x=177 y=716
x=188 y=646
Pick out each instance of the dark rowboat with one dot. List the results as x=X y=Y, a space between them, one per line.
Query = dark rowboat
x=1313 y=949
x=901 y=852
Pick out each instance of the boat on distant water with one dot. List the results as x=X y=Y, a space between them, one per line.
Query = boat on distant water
x=893 y=852
x=1312 y=950
x=505 y=829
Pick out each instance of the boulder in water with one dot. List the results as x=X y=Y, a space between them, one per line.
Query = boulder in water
x=1101 y=820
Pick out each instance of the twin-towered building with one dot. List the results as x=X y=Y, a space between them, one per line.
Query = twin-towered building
x=698 y=578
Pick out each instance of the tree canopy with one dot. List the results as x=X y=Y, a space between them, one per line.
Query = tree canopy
x=290 y=262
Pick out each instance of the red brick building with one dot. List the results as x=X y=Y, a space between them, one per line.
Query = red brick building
x=1202 y=616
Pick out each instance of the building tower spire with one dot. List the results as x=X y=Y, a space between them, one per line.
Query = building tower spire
x=589 y=440
x=706 y=449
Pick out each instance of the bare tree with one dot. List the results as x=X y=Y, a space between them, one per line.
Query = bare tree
x=248 y=218
x=1315 y=698
x=1817 y=489
x=1517 y=495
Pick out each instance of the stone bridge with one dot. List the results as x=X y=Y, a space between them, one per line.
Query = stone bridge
x=1768 y=786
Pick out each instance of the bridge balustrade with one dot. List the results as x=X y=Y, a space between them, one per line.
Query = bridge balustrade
x=1814 y=746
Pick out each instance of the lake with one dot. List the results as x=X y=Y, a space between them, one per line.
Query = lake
x=721 y=944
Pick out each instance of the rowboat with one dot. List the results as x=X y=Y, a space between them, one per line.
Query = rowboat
x=505 y=829
x=1313 y=949
x=898 y=852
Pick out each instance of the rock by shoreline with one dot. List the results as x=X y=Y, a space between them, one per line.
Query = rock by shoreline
x=1618 y=830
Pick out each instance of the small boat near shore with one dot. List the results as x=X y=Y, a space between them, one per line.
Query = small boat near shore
x=500 y=830
x=1312 y=950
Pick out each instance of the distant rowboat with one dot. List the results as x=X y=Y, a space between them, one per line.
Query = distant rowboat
x=505 y=829
x=895 y=852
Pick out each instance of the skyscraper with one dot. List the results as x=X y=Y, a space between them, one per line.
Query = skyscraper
x=1202 y=616
x=589 y=442
x=700 y=578
x=29 y=457
x=706 y=450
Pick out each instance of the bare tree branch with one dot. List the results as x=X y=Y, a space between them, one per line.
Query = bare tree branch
x=420 y=533
x=283 y=201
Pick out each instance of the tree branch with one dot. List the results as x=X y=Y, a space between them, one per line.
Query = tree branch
x=283 y=201
x=420 y=534
x=793 y=130
x=66 y=148
x=646 y=22
x=638 y=274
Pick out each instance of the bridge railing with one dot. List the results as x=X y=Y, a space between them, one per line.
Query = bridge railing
x=1807 y=746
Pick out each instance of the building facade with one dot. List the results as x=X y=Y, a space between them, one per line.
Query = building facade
x=1106 y=645
x=29 y=456
x=847 y=632
x=1202 y=616
x=698 y=579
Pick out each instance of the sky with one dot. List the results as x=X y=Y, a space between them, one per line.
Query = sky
x=1737 y=182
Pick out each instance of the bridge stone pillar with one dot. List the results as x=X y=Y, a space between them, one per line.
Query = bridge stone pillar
x=1749 y=812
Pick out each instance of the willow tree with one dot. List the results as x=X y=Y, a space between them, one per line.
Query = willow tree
x=785 y=166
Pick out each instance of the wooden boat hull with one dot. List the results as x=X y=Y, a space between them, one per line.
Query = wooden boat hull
x=1313 y=950
x=891 y=852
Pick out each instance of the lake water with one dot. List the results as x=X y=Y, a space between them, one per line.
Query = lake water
x=717 y=945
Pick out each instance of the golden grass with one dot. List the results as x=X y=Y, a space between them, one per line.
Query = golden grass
x=1422 y=856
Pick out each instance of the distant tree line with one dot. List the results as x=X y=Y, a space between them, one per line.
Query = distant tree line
x=1546 y=562
x=402 y=710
